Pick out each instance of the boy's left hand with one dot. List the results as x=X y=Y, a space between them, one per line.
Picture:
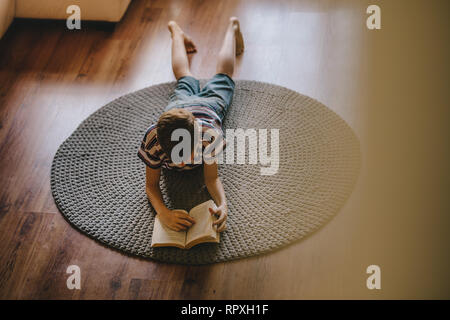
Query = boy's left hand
x=220 y=211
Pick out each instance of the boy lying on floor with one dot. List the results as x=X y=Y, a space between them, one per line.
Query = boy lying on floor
x=191 y=108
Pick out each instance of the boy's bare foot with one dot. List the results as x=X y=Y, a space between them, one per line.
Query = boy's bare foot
x=239 y=38
x=175 y=29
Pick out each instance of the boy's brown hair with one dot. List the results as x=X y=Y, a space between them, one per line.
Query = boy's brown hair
x=176 y=118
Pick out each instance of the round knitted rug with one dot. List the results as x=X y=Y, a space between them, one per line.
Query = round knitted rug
x=98 y=181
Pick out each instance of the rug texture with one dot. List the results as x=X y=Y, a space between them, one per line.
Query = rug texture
x=98 y=182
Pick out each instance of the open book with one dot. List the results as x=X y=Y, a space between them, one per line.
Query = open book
x=201 y=231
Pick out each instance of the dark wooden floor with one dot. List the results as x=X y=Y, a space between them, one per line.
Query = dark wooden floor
x=390 y=85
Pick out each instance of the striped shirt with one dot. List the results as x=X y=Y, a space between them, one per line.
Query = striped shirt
x=151 y=153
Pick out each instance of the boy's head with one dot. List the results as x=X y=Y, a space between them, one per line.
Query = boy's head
x=171 y=120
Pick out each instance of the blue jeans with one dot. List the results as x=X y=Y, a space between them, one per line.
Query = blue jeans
x=217 y=94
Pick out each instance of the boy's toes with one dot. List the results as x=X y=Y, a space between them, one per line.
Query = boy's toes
x=234 y=21
x=189 y=44
x=173 y=26
x=239 y=43
x=191 y=49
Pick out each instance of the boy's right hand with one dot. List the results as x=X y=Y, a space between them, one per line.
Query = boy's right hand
x=177 y=220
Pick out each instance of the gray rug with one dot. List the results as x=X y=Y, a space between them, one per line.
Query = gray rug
x=98 y=182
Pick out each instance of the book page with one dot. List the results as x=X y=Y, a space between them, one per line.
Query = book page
x=202 y=228
x=164 y=236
